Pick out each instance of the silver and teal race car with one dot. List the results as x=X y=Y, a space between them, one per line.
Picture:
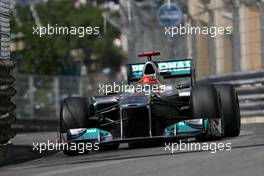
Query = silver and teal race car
x=163 y=102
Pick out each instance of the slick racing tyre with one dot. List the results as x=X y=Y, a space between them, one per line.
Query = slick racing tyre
x=204 y=102
x=230 y=108
x=74 y=114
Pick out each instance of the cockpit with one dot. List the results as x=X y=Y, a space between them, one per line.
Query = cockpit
x=149 y=70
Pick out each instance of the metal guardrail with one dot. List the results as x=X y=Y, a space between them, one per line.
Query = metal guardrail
x=250 y=89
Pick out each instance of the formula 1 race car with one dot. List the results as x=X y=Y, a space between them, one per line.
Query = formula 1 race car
x=164 y=102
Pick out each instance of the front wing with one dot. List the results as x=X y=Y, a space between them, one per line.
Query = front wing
x=177 y=131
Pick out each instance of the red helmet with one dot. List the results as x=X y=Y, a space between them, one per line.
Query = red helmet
x=148 y=79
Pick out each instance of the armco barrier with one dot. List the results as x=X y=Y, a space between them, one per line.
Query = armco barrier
x=250 y=89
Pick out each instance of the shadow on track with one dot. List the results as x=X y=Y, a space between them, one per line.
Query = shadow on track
x=24 y=153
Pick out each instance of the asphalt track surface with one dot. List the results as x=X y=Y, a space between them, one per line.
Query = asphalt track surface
x=246 y=158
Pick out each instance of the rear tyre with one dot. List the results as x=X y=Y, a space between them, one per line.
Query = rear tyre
x=74 y=114
x=230 y=108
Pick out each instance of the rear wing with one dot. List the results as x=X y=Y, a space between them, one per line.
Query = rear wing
x=167 y=69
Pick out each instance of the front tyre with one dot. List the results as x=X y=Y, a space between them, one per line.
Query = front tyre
x=230 y=108
x=204 y=102
x=74 y=114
